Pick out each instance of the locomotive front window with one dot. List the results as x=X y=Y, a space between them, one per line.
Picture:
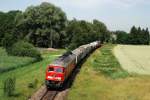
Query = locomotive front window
x=59 y=70
x=51 y=69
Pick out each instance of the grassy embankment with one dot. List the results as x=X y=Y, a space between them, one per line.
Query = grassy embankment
x=26 y=75
x=102 y=78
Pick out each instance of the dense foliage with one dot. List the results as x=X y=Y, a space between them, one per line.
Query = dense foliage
x=46 y=25
x=22 y=48
x=42 y=25
x=122 y=37
x=136 y=36
x=7 y=24
x=82 y=32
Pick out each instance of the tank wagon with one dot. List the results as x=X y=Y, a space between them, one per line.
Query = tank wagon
x=60 y=69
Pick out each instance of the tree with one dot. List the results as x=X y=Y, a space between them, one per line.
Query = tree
x=145 y=36
x=122 y=37
x=139 y=36
x=133 y=35
x=81 y=32
x=42 y=25
x=7 y=24
x=101 y=29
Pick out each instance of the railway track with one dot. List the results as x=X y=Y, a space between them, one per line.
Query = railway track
x=49 y=95
x=44 y=94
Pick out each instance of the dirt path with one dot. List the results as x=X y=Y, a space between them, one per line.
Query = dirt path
x=134 y=59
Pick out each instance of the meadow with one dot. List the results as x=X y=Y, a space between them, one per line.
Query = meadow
x=27 y=75
x=8 y=63
x=104 y=79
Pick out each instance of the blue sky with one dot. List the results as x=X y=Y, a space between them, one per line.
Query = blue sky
x=116 y=14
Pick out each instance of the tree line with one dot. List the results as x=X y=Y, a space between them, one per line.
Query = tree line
x=136 y=36
x=46 y=25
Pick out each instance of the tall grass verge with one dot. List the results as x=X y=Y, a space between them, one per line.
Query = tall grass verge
x=108 y=64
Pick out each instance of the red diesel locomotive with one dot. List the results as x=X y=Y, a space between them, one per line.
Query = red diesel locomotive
x=60 y=69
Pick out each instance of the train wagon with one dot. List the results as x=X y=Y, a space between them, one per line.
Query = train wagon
x=60 y=69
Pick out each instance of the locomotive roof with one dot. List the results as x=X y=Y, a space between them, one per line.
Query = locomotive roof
x=63 y=60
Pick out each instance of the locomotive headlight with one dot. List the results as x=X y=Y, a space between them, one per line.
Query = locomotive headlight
x=50 y=77
x=58 y=78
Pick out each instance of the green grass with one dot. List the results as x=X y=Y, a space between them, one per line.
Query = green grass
x=28 y=74
x=95 y=80
x=108 y=64
x=12 y=62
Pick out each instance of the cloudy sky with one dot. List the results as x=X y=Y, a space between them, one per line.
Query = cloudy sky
x=116 y=14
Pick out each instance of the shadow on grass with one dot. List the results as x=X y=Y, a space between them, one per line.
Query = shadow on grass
x=16 y=94
x=3 y=69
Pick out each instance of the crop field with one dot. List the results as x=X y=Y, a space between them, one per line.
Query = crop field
x=134 y=59
x=12 y=62
x=26 y=76
x=102 y=78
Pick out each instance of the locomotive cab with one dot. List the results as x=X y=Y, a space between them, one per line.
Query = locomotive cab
x=54 y=76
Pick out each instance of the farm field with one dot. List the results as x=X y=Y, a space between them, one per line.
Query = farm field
x=108 y=81
x=25 y=76
x=134 y=59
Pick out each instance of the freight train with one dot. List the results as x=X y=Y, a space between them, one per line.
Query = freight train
x=60 y=69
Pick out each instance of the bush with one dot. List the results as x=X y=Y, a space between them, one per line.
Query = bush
x=33 y=84
x=22 y=48
x=9 y=86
